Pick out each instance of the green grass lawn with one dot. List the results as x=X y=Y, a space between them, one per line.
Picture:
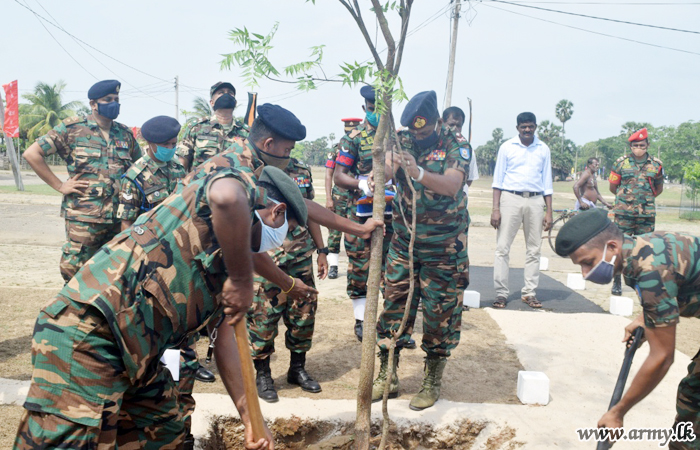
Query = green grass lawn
x=41 y=189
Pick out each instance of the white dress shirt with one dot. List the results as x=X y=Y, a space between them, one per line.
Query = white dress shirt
x=523 y=169
x=473 y=172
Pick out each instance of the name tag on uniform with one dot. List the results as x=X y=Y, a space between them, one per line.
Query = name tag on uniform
x=303 y=181
x=436 y=155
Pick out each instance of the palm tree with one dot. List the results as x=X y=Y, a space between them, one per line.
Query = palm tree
x=564 y=110
x=45 y=109
x=201 y=107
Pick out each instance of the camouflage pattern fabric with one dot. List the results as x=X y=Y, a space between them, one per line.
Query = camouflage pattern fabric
x=145 y=185
x=206 y=137
x=440 y=251
x=240 y=154
x=688 y=405
x=635 y=225
x=83 y=241
x=355 y=153
x=80 y=144
x=97 y=346
x=637 y=184
x=341 y=199
x=295 y=258
x=663 y=268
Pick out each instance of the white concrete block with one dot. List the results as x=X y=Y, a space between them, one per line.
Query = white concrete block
x=533 y=388
x=621 y=306
x=171 y=359
x=472 y=299
x=544 y=263
x=575 y=281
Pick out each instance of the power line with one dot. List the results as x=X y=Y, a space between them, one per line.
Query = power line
x=597 y=18
x=593 y=32
x=616 y=3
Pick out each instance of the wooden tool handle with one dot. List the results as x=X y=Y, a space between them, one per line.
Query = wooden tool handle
x=248 y=372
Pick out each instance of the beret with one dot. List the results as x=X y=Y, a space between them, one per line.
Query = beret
x=219 y=85
x=288 y=188
x=351 y=123
x=639 y=135
x=580 y=229
x=160 y=129
x=103 y=88
x=368 y=93
x=282 y=122
x=420 y=110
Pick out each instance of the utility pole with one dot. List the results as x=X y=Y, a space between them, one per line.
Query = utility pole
x=177 y=97
x=453 y=51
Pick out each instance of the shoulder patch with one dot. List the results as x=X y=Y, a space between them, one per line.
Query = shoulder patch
x=73 y=120
x=354 y=133
x=461 y=139
x=465 y=153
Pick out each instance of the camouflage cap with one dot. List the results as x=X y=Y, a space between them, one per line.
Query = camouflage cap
x=289 y=190
x=580 y=229
x=219 y=85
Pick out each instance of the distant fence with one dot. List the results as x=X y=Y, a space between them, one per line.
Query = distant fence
x=51 y=160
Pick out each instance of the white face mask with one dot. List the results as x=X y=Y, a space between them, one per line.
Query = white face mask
x=271 y=238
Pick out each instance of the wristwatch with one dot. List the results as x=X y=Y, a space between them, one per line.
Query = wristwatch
x=322 y=251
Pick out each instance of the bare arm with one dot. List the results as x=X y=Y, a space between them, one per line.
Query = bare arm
x=600 y=196
x=613 y=188
x=548 y=219
x=317 y=236
x=329 y=188
x=496 y=209
x=328 y=219
x=35 y=158
x=345 y=180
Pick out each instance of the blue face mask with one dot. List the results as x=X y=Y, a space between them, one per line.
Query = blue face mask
x=372 y=118
x=109 y=110
x=164 y=154
x=603 y=272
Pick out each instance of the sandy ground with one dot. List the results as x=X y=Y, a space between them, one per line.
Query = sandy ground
x=579 y=352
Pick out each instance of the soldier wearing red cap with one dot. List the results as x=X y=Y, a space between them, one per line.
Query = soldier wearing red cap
x=336 y=200
x=636 y=180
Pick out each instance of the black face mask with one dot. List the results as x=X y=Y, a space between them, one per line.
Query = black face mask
x=226 y=101
x=281 y=162
x=429 y=141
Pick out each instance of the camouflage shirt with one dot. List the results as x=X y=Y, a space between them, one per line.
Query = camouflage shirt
x=298 y=244
x=206 y=137
x=157 y=282
x=79 y=142
x=146 y=184
x=355 y=153
x=240 y=154
x=664 y=269
x=637 y=184
x=439 y=219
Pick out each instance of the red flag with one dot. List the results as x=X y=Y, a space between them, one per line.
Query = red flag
x=11 y=125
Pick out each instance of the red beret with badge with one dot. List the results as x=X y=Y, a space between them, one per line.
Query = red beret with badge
x=639 y=135
x=351 y=123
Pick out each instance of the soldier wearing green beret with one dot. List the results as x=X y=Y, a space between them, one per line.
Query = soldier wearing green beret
x=664 y=269
x=97 y=380
x=97 y=151
x=211 y=135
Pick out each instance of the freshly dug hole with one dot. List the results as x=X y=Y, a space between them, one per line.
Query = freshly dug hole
x=227 y=433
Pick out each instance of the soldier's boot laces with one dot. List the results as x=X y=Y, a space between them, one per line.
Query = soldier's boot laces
x=333 y=272
x=264 y=382
x=297 y=374
x=617 y=286
x=430 y=390
x=379 y=382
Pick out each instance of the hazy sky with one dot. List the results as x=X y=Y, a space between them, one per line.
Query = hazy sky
x=506 y=63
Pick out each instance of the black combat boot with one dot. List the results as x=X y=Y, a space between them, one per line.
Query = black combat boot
x=358 y=329
x=263 y=380
x=617 y=286
x=333 y=272
x=205 y=375
x=189 y=442
x=297 y=374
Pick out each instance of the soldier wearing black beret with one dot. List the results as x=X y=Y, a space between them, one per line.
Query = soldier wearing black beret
x=97 y=151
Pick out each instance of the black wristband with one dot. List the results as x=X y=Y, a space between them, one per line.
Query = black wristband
x=322 y=251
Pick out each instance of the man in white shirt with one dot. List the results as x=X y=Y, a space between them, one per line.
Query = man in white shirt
x=454 y=118
x=522 y=186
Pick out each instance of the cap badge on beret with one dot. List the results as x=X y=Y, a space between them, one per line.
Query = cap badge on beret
x=418 y=123
x=639 y=135
x=117 y=88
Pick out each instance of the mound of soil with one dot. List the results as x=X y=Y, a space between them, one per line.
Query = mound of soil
x=227 y=433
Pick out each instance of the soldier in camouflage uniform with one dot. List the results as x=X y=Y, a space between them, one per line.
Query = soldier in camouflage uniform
x=97 y=151
x=98 y=381
x=664 y=269
x=294 y=257
x=209 y=136
x=337 y=200
x=436 y=166
x=352 y=172
x=636 y=180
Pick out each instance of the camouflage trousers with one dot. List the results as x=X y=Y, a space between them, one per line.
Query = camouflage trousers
x=440 y=277
x=189 y=363
x=83 y=239
x=688 y=404
x=635 y=225
x=80 y=396
x=270 y=304
x=358 y=251
x=340 y=207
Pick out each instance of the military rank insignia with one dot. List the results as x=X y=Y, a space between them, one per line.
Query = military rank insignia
x=121 y=144
x=303 y=181
x=465 y=153
x=436 y=155
x=418 y=123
